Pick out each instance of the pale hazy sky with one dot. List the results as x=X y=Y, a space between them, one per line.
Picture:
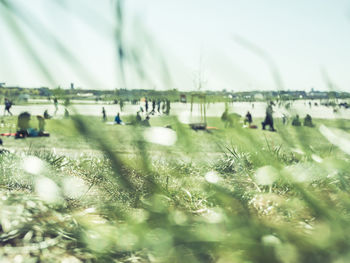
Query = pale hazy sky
x=191 y=36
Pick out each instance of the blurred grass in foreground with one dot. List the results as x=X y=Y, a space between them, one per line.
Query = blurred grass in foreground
x=235 y=195
x=258 y=200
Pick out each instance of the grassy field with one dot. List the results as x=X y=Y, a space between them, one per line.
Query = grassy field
x=93 y=192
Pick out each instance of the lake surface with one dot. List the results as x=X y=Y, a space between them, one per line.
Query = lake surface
x=183 y=111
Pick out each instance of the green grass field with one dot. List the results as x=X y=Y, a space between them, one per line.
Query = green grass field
x=93 y=192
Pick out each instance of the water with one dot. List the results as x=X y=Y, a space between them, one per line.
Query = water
x=183 y=111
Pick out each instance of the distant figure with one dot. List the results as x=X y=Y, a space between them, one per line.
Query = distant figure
x=41 y=122
x=117 y=119
x=55 y=102
x=308 y=121
x=268 y=119
x=310 y=104
x=224 y=117
x=284 y=119
x=145 y=122
x=138 y=118
x=23 y=125
x=8 y=105
x=104 y=116
x=153 y=106
x=158 y=105
x=296 y=121
x=163 y=106
x=146 y=105
x=66 y=113
x=227 y=118
x=121 y=105
x=46 y=115
x=66 y=102
x=167 y=111
x=248 y=118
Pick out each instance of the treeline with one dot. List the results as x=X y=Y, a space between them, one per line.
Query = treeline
x=18 y=94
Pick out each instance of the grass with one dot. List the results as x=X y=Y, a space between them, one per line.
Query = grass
x=99 y=193
x=104 y=194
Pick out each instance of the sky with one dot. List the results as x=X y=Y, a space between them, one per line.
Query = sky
x=177 y=44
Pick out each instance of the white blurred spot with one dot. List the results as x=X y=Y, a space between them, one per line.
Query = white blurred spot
x=214 y=216
x=139 y=215
x=316 y=158
x=266 y=175
x=159 y=135
x=70 y=259
x=270 y=240
x=18 y=259
x=298 y=151
x=212 y=177
x=179 y=217
x=33 y=165
x=74 y=187
x=184 y=117
x=337 y=137
x=304 y=172
x=90 y=210
x=47 y=190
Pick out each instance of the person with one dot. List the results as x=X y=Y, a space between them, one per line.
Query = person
x=8 y=105
x=146 y=105
x=117 y=119
x=121 y=105
x=153 y=106
x=138 y=118
x=248 y=118
x=163 y=106
x=167 y=111
x=308 y=121
x=41 y=122
x=23 y=120
x=284 y=119
x=66 y=102
x=224 y=117
x=55 y=102
x=46 y=115
x=158 y=105
x=296 y=121
x=145 y=122
x=104 y=116
x=229 y=119
x=66 y=113
x=268 y=119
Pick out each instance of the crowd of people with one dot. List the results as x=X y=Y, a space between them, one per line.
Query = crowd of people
x=24 y=129
x=268 y=121
x=147 y=108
